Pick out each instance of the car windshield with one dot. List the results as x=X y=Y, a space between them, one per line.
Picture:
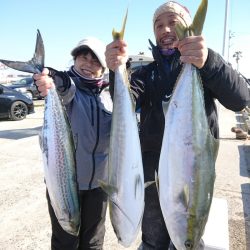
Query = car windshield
x=23 y=81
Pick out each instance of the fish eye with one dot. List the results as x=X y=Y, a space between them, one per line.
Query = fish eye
x=188 y=244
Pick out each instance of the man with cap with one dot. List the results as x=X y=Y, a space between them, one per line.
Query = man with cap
x=152 y=86
x=89 y=108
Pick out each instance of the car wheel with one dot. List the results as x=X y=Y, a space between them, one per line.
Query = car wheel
x=18 y=111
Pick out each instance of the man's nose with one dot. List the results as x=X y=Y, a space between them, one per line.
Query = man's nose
x=167 y=29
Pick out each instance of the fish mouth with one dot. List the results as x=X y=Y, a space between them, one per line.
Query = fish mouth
x=126 y=242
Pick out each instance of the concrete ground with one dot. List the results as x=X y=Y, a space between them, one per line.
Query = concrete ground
x=24 y=221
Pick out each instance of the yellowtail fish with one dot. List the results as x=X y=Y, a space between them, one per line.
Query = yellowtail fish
x=125 y=186
x=188 y=154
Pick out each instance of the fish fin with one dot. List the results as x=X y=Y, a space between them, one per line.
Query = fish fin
x=21 y=66
x=199 y=18
x=108 y=189
x=184 y=196
x=138 y=187
x=157 y=181
x=39 y=55
x=181 y=31
x=148 y=183
x=36 y=64
x=119 y=35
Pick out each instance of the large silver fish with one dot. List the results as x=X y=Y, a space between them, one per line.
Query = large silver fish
x=125 y=186
x=187 y=161
x=57 y=147
x=59 y=164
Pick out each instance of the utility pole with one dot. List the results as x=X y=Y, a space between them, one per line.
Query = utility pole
x=225 y=28
x=230 y=36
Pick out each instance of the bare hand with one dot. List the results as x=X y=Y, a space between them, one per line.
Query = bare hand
x=193 y=50
x=44 y=82
x=116 y=54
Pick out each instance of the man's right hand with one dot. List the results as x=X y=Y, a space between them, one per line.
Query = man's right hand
x=116 y=54
x=43 y=82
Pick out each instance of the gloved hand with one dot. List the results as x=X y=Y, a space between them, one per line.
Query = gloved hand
x=51 y=77
x=61 y=79
x=43 y=82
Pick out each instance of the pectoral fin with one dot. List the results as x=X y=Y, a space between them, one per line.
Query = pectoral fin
x=184 y=196
x=138 y=187
x=108 y=189
x=148 y=183
x=157 y=181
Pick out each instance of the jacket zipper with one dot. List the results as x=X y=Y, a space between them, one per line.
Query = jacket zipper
x=92 y=112
x=97 y=137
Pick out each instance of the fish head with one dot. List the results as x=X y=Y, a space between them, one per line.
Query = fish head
x=125 y=228
x=70 y=225
x=186 y=235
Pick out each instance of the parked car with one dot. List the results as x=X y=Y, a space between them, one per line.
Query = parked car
x=13 y=104
x=27 y=87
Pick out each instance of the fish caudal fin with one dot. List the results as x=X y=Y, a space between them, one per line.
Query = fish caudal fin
x=119 y=35
x=39 y=54
x=196 y=27
x=199 y=18
x=36 y=64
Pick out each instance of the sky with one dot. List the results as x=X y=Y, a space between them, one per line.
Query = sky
x=63 y=23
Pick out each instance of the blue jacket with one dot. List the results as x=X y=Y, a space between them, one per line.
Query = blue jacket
x=89 y=111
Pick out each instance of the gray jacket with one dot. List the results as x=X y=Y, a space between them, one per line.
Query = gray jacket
x=89 y=112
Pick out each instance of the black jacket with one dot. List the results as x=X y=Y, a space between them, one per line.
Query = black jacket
x=152 y=84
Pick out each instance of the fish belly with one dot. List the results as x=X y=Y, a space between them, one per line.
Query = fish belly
x=59 y=164
x=125 y=165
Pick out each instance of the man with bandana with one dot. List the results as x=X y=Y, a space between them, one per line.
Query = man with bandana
x=152 y=86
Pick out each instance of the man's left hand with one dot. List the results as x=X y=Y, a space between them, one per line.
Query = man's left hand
x=193 y=50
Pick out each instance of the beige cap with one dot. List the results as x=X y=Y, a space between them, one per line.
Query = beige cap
x=176 y=8
x=97 y=46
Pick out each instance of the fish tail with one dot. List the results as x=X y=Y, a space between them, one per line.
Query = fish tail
x=119 y=35
x=199 y=18
x=36 y=64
